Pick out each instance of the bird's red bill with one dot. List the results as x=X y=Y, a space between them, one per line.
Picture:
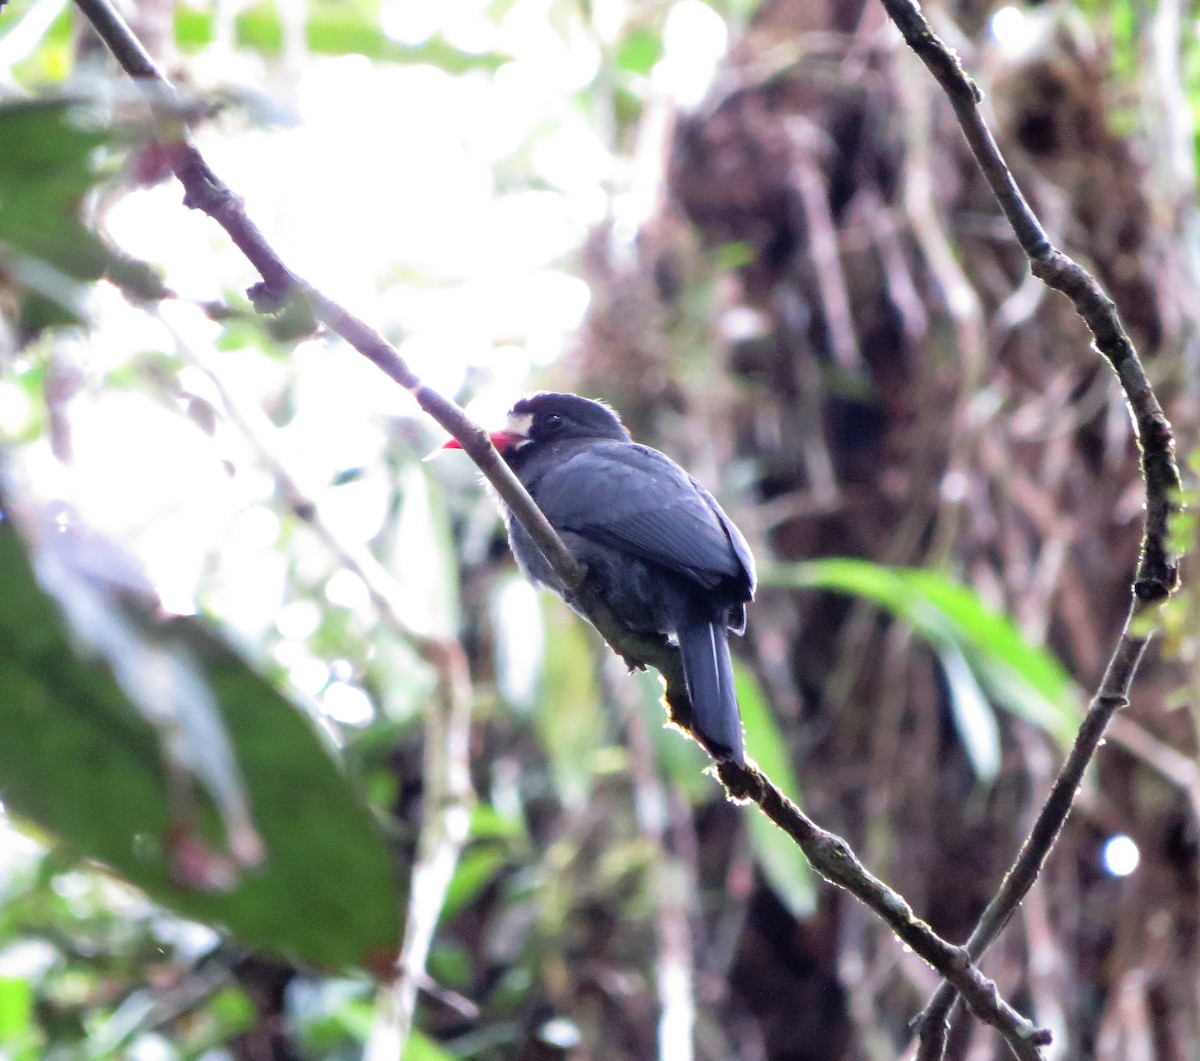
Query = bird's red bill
x=502 y=440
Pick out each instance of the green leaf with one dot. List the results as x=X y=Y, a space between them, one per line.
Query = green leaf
x=16 y=1011
x=570 y=722
x=783 y=864
x=1024 y=679
x=733 y=255
x=46 y=168
x=639 y=52
x=476 y=869
x=338 y=28
x=487 y=823
x=333 y=1018
x=38 y=42
x=421 y=1048
x=680 y=758
x=973 y=716
x=80 y=760
x=54 y=154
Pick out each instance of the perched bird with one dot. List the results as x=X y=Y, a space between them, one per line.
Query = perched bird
x=665 y=557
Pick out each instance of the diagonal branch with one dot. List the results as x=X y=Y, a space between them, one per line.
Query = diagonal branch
x=1157 y=574
x=829 y=854
x=206 y=192
x=832 y=857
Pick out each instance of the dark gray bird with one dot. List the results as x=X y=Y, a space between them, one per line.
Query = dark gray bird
x=665 y=556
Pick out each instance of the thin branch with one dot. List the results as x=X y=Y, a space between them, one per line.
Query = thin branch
x=829 y=854
x=1111 y=697
x=206 y=192
x=1157 y=574
x=832 y=857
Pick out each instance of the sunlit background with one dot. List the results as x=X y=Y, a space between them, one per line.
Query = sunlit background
x=446 y=209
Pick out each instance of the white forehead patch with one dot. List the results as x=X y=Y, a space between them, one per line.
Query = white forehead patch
x=520 y=424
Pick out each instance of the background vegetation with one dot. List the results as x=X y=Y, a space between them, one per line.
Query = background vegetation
x=756 y=231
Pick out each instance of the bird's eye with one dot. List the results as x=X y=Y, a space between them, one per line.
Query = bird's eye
x=552 y=422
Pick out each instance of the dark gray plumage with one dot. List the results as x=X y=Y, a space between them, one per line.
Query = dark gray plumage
x=665 y=556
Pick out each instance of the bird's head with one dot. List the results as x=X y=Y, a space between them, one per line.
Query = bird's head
x=547 y=416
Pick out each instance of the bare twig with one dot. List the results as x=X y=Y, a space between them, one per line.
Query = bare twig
x=1157 y=574
x=813 y=204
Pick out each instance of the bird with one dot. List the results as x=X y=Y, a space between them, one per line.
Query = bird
x=664 y=555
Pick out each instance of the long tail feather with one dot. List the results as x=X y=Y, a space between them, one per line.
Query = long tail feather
x=709 y=673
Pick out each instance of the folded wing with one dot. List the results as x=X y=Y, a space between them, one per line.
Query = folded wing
x=640 y=502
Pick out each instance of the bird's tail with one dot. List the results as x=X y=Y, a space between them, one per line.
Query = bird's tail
x=709 y=673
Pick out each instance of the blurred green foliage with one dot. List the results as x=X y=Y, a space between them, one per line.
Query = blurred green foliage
x=332 y=27
x=56 y=152
x=781 y=861
x=82 y=760
x=975 y=643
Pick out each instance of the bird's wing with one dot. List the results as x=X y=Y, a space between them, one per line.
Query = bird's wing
x=740 y=546
x=635 y=499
